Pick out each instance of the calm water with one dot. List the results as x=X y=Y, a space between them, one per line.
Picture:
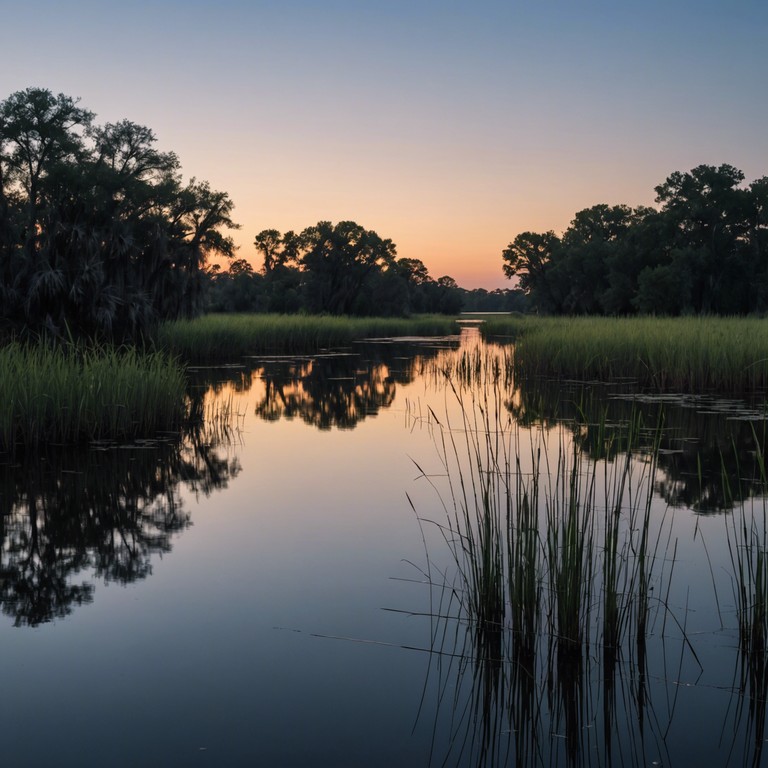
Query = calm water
x=255 y=593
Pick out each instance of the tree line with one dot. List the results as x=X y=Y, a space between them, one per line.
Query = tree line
x=339 y=269
x=344 y=269
x=99 y=235
x=703 y=251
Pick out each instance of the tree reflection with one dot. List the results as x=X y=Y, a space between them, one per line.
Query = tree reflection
x=707 y=445
x=69 y=515
x=333 y=390
x=327 y=392
x=570 y=692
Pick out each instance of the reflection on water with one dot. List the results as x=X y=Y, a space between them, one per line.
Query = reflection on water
x=548 y=607
x=531 y=694
x=339 y=389
x=72 y=519
x=708 y=446
x=707 y=452
x=73 y=516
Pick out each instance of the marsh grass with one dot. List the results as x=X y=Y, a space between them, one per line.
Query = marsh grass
x=56 y=395
x=556 y=556
x=471 y=365
x=227 y=337
x=691 y=354
x=747 y=530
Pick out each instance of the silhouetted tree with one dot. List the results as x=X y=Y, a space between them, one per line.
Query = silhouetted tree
x=709 y=213
x=702 y=251
x=98 y=234
x=337 y=259
x=529 y=258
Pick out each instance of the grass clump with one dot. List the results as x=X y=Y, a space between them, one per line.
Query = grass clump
x=226 y=337
x=58 y=395
x=552 y=556
x=689 y=353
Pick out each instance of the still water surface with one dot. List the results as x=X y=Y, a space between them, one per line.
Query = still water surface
x=255 y=594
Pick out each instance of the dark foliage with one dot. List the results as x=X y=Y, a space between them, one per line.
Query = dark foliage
x=703 y=251
x=99 y=237
x=341 y=269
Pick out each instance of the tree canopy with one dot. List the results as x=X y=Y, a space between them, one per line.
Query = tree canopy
x=99 y=235
x=340 y=269
x=703 y=250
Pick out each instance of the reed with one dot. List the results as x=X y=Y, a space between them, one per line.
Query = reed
x=554 y=553
x=470 y=365
x=74 y=395
x=696 y=354
x=747 y=529
x=227 y=337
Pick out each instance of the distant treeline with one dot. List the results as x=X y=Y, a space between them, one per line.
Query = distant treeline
x=338 y=269
x=704 y=251
x=342 y=269
x=99 y=235
x=101 y=238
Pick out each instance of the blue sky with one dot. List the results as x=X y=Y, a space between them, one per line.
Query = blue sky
x=448 y=127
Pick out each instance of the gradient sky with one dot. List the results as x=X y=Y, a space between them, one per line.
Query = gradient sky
x=448 y=127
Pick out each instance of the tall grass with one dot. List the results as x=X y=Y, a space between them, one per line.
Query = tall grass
x=69 y=396
x=747 y=529
x=227 y=337
x=697 y=354
x=554 y=554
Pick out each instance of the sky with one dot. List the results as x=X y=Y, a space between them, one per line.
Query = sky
x=448 y=127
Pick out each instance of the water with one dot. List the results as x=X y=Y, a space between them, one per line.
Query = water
x=254 y=593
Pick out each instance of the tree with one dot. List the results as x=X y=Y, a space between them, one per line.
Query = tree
x=529 y=258
x=757 y=243
x=709 y=213
x=240 y=267
x=269 y=242
x=663 y=290
x=589 y=246
x=702 y=251
x=413 y=270
x=98 y=234
x=197 y=216
x=337 y=260
x=39 y=131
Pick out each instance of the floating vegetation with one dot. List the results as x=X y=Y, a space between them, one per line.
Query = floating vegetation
x=55 y=395
x=216 y=337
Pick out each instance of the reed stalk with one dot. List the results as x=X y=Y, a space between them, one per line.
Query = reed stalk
x=555 y=552
x=747 y=529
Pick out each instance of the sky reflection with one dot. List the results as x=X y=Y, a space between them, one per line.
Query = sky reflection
x=284 y=618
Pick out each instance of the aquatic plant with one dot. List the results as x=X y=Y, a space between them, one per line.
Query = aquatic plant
x=58 y=395
x=554 y=554
x=691 y=354
x=227 y=337
x=747 y=530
